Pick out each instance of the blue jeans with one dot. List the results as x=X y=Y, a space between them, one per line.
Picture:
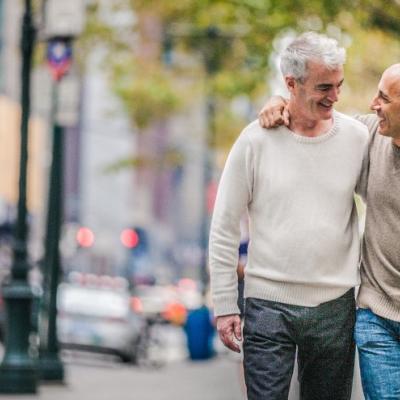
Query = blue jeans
x=378 y=342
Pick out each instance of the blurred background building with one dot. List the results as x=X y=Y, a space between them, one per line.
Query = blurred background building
x=159 y=197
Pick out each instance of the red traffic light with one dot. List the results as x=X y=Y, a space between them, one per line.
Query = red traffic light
x=85 y=237
x=129 y=238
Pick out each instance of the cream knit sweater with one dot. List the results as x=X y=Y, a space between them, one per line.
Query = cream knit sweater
x=298 y=191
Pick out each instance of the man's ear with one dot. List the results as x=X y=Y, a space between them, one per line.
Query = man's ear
x=290 y=83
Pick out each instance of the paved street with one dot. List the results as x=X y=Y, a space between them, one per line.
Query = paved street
x=103 y=379
x=92 y=377
x=100 y=377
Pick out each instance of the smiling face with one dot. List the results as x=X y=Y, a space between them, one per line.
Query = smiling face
x=386 y=103
x=314 y=97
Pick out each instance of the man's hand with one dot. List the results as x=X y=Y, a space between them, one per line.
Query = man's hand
x=229 y=327
x=274 y=113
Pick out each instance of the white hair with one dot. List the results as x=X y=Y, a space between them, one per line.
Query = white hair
x=311 y=46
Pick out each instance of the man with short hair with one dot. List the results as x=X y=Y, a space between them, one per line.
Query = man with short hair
x=377 y=330
x=297 y=184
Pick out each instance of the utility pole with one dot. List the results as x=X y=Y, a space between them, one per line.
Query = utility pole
x=18 y=371
x=63 y=22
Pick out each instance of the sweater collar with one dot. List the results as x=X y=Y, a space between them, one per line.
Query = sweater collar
x=320 y=138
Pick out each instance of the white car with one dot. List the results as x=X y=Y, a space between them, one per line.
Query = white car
x=98 y=319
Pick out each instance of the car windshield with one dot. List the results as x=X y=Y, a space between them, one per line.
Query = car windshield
x=93 y=302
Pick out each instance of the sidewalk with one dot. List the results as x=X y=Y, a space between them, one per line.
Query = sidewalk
x=97 y=378
x=215 y=379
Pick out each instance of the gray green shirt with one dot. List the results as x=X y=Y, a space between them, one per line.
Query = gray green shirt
x=380 y=267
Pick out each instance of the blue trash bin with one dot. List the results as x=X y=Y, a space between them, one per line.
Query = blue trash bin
x=200 y=334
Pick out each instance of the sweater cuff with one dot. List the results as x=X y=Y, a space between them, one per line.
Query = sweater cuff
x=225 y=305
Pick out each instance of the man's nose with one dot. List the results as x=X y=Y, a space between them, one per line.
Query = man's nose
x=374 y=104
x=334 y=94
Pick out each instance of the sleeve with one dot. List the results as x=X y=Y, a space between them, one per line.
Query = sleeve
x=371 y=121
x=233 y=197
x=362 y=183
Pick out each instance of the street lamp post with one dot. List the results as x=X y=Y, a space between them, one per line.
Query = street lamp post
x=50 y=364
x=64 y=20
x=18 y=369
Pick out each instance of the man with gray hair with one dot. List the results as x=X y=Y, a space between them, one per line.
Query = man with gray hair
x=297 y=185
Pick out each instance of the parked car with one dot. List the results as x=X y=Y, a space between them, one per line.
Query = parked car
x=170 y=303
x=98 y=318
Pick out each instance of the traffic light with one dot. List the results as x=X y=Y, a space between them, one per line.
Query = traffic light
x=129 y=238
x=85 y=237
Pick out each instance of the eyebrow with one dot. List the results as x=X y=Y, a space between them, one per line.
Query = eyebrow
x=384 y=95
x=328 y=85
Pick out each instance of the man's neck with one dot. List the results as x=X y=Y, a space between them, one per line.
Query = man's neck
x=396 y=142
x=306 y=126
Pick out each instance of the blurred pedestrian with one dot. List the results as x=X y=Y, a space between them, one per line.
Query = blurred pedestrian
x=240 y=274
x=377 y=330
x=297 y=185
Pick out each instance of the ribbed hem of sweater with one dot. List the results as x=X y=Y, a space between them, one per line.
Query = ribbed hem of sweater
x=378 y=303
x=298 y=294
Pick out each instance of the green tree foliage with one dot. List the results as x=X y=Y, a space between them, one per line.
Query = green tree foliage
x=370 y=52
x=144 y=98
x=173 y=52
